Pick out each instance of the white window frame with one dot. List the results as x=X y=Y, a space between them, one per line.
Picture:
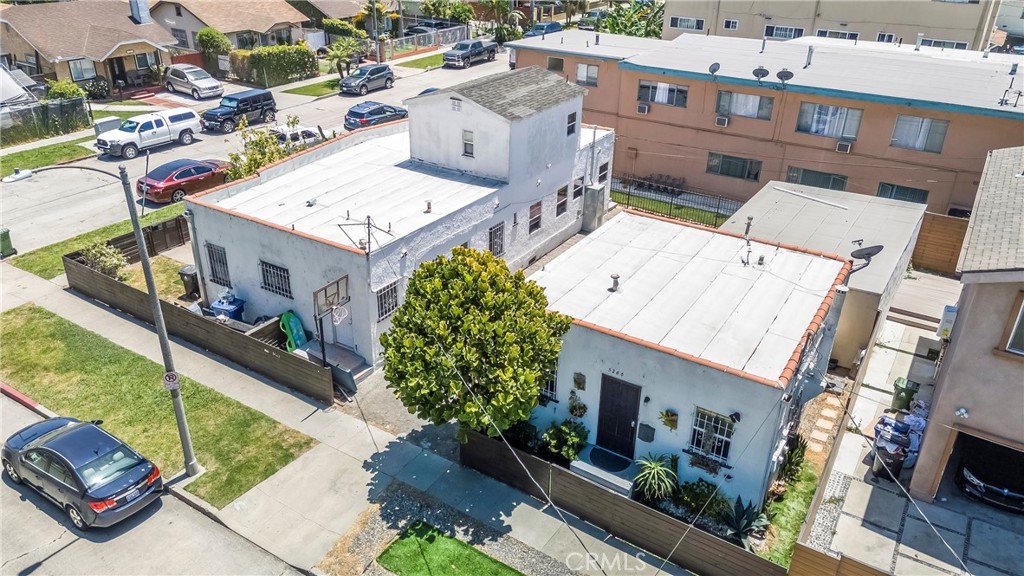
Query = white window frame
x=549 y=387
x=456 y=105
x=82 y=74
x=468 y=145
x=654 y=92
x=938 y=43
x=686 y=23
x=151 y=59
x=828 y=121
x=840 y=34
x=715 y=431
x=570 y=124
x=387 y=300
x=535 y=218
x=885 y=37
x=789 y=32
x=729 y=105
x=577 y=187
x=929 y=134
x=561 y=201
x=586 y=74
x=735 y=24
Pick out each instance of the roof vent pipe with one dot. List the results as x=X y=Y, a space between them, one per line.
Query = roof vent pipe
x=764 y=41
x=746 y=232
x=427 y=211
x=597 y=38
x=1013 y=69
x=920 y=38
x=810 y=54
x=985 y=53
x=615 y=283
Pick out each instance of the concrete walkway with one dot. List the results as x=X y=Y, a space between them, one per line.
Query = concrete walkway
x=302 y=510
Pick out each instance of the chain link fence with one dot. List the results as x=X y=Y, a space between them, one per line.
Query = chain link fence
x=668 y=197
x=42 y=120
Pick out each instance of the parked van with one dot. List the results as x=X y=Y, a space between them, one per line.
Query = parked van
x=253 y=105
x=149 y=130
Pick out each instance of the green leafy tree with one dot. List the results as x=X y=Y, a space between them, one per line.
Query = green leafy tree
x=63 y=90
x=436 y=8
x=468 y=319
x=506 y=20
x=261 y=148
x=341 y=52
x=461 y=12
x=213 y=43
x=337 y=27
x=636 y=19
x=375 y=14
x=565 y=440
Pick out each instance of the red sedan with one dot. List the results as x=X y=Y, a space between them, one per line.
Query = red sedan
x=172 y=181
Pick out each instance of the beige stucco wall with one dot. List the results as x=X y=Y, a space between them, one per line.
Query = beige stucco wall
x=938 y=20
x=975 y=376
x=18 y=47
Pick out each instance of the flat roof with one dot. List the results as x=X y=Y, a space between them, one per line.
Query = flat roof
x=830 y=221
x=684 y=289
x=608 y=46
x=374 y=178
x=995 y=235
x=590 y=134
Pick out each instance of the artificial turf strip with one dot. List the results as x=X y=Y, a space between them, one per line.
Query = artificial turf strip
x=423 y=550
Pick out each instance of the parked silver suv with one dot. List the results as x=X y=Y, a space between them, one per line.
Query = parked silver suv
x=191 y=79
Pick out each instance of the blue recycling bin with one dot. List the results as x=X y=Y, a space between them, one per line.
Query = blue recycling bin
x=232 y=309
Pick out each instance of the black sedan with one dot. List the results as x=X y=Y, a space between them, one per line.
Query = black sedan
x=95 y=478
x=372 y=113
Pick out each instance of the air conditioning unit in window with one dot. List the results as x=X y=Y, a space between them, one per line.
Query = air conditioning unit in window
x=721 y=121
x=643 y=108
x=844 y=146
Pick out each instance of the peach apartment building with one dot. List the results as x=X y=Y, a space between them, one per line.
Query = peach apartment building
x=910 y=123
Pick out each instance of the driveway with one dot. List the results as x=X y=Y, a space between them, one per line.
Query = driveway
x=57 y=205
x=167 y=537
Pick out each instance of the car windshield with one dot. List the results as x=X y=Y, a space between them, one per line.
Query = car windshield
x=229 y=102
x=540 y=27
x=197 y=75
x=463 y=46
x=161 y=173
x=108 y=467
x=359 y=73
x=129 y=126
x=594 y=14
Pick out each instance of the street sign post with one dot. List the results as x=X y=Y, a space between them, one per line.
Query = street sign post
x=171 y=381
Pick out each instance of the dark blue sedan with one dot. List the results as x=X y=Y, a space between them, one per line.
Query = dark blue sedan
x=372 y=113
x=95 y=478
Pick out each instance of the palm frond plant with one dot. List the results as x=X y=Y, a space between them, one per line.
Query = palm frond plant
x=656 y=479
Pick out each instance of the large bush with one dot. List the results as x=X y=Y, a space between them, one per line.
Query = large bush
x=97 y=88
x=342 y=28
x=213 y=43
x=275 y=65
x=240 y=62
x=105 y=259
x=63 y=90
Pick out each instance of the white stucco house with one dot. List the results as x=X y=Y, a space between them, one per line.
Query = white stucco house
x=500 y=163
x=730 y=335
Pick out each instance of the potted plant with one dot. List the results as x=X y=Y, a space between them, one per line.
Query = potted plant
x=670 y=418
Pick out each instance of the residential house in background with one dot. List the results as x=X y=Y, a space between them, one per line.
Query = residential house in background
x=838 y=223
x=112 y=39
x=910 y=123
x=246 y=23
x=1010 y=21
x=956 y=24
x=692 y=342
x=318 y=10
x=979 y=388
x=500 y=163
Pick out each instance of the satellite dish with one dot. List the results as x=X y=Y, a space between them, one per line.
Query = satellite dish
x=714 y=68
x=865 y=253
x=784 y=75
x=760 y=72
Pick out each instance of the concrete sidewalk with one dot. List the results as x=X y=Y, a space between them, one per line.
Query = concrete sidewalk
x=301 y=511
x=76 y=135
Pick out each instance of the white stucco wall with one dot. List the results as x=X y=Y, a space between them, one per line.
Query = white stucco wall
x=435 y=132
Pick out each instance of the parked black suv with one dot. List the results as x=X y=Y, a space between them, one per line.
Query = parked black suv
x=253 y=105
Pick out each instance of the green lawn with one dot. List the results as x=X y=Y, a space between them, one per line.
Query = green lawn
x=165 y=274
x=45 y=156
x=318 y=89
x=422 y=550
x=122 y=114
x=423 y=63
x=46 y=261
x=788 y=513
x=78 y=373
x=706 y=217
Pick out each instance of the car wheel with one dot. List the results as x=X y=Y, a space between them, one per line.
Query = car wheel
x=129 y=151
x=269 y=116
x=491 y=56
x=467 y=62
x=186 y=137
x=195 y=94
x=170 y=87
x=12 y=473
x=177 y=196
x=389 y=83
x=76 y=517
x=363 y=90
x=228 y=126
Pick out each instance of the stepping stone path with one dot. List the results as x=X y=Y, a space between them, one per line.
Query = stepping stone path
x=824 y=425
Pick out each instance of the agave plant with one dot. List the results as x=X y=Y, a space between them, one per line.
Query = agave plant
x=742 y=521
x=656 y=479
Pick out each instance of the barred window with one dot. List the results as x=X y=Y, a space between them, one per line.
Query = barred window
x=218 y=265
x=535 y=217
x=577 y=188
x=712 y=434
x=496 y=239
x=387 y=301
x=549 y=387
x=562 y=200
x=275 y=279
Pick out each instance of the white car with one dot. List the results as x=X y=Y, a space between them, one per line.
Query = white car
x=148 y=130
x=193 y=80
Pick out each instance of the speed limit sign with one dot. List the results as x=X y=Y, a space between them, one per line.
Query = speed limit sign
x=171 y=381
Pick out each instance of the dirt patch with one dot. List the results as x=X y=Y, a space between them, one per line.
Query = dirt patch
x=812 y=415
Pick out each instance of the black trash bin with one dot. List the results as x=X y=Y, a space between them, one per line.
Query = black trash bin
x=190 y=280
x=889 y=458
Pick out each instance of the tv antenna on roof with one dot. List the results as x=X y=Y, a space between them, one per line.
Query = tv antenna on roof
x=759 y=73
x=864 y=254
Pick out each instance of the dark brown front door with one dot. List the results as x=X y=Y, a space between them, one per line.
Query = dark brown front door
x=117 y=71
x=617 y=415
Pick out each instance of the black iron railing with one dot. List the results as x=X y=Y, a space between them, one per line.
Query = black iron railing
x=668 y=197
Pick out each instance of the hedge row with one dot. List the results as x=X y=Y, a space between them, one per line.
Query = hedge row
x=273 y=65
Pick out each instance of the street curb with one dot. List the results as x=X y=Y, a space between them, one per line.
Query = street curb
x=25 y=401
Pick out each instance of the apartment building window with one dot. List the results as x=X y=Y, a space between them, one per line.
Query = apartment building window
x=841 y=34
x=735 y=167
x=82 y=69
x=662 y=93
x=831 y=121
x=586 y=74
x=712 y=434
x=905 y=193
x=181 y=36
x=467 y=143
x=275 y=279
x=556 y=64
x=814 y=178
x=916 y=133
x=387 y=301
x=570 y=124
x=561 y=200
x=496 y=239
x=1015 y=340
x=783 y=32
x=683 y=23
x=219 y=273
x=886 y=37
x=577 y=188
x=602 y=173
x=748 y=105
x=944 y=44
x=730 y=24
x=535 y=217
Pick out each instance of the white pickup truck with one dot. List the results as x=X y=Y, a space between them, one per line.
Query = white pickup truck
x=148 y=130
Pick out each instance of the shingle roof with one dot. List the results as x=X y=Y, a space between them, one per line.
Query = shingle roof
x=241 y=15
x=99 y=26
x=995 y=236
x=345 y=8
x=518 y=94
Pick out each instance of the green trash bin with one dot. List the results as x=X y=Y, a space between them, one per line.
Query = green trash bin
x=6 y=247
x=903 y=393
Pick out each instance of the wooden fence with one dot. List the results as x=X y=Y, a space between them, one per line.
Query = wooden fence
x=194 y=58
x=938 y=244
x=159 y=237
x=287 y=369
x=636 y=523
x=807 y=561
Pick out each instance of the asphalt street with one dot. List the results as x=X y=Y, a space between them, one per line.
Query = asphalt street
x=167 y=537
x=60 y=204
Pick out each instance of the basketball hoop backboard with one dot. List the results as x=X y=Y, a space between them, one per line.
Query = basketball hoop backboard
x=331 y=296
